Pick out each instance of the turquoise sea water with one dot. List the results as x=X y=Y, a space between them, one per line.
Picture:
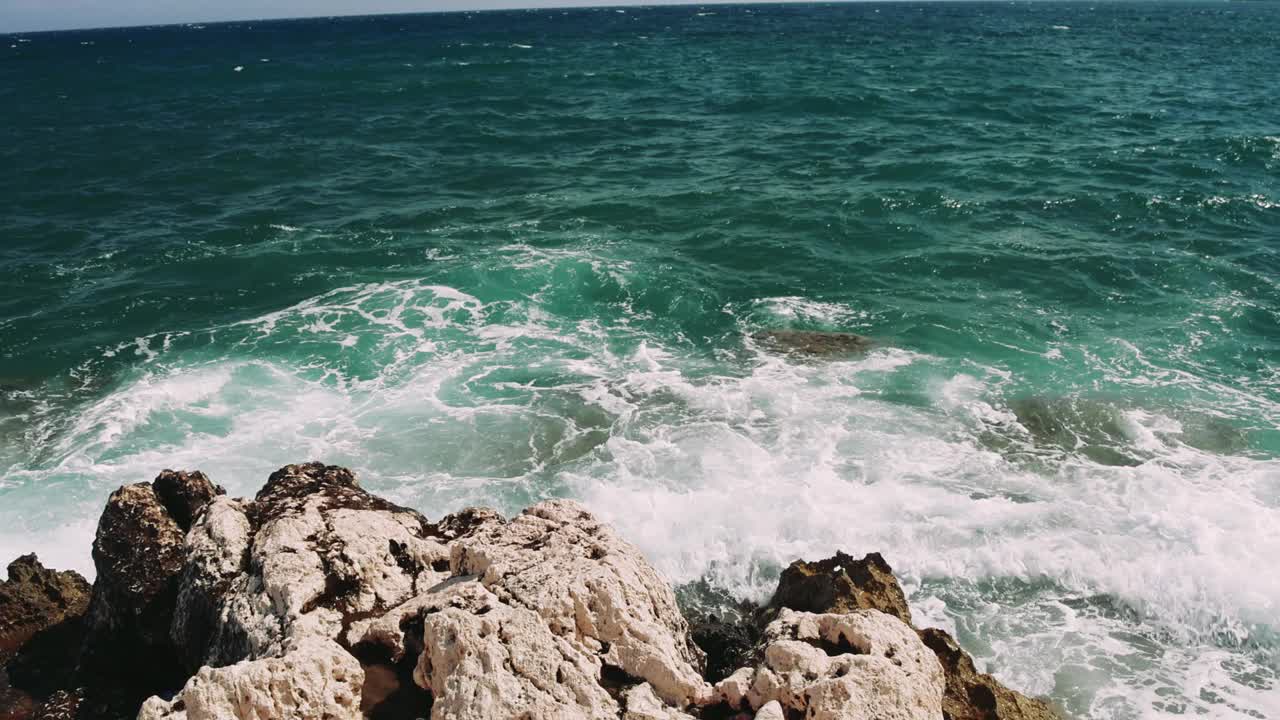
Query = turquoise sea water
x=493 y=257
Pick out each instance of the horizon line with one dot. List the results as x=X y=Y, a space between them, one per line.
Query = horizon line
x=622 y=4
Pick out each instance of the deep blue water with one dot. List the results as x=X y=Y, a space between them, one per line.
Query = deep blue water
x=484 y=258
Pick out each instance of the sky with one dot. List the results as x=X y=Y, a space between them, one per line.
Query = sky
x=34 y=15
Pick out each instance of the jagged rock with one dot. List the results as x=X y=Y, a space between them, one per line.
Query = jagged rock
x=771 y=710
x=317 y=599
x=41 y=627
x=814 y=342
x=642 y=703
x=315 y=679
x=312 y=554
x=466 y=522
x=977 y=696
x=548 y=615
x=728 y=643
x=589 y=585
x=859 y=665
x=841 y=584
x=138 y=553
x=185 y=494
x=35 y=598
x=488 y=659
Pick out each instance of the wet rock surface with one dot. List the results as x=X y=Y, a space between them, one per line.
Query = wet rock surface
x=318 y=599
x=813 y=343
x=972 y=695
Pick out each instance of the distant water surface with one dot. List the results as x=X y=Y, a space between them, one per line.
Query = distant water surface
x=494 y=257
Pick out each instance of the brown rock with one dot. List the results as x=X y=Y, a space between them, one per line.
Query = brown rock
x=841 y=584
x=977 y=696
x=814 y=342
x=41 y=614
x=185 y=494
x=138 y=552
x=36 y=598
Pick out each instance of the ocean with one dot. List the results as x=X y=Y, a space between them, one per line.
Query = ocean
x=493 y=257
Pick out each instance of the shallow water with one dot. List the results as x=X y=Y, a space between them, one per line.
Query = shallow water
x=489 y=258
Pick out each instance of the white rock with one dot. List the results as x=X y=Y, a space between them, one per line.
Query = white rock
x=862 y=665
x=486 y=659
x=529 y=620
x=643 y=704
x=325 y=552
x=771 y=710
x=316 y=679
x=590 y=587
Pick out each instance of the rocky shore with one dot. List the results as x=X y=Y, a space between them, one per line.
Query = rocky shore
x=317 y=599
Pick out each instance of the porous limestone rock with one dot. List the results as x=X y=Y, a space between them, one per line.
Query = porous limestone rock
x=487 y=659
x=840 y=583
x=548 y=615
x=853 y=666
x=313 y=553
x=771 y=710
x=315 y=679
x=642 y=703
x=591 y=587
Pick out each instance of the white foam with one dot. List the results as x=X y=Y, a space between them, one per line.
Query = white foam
x=728 y=472
x=794 y=462
x=794 y=309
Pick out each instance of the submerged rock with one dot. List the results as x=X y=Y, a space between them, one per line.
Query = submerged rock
x=814 y=342
x=728 y=643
